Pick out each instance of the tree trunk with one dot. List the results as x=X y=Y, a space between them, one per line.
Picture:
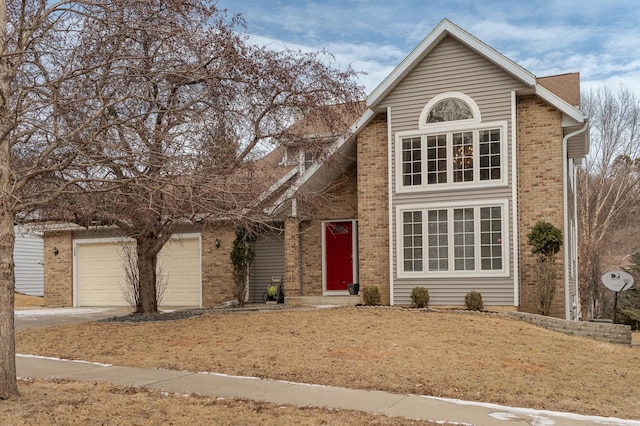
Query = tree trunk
x=147 y=263
x=8 y=383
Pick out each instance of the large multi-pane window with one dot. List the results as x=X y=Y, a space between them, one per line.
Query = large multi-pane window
x=452 y=147
x=458 y=239
x=452 y=158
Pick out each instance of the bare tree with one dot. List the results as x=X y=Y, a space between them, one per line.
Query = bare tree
x=609 y=188
x=37 y=45
x=182 y=103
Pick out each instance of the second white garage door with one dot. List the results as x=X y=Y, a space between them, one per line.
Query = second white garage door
x=99 y=274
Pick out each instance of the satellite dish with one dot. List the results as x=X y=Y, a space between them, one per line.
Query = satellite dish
x=617 y=281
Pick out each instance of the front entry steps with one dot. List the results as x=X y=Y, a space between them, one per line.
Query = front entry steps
x=321 y=300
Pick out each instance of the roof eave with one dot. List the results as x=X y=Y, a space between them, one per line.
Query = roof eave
x=562 y=105
x=364 y=119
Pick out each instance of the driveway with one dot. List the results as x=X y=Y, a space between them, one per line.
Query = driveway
x=47 y=317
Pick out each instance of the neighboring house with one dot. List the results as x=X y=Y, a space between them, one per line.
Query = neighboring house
x=453 y=159
x=28 y=258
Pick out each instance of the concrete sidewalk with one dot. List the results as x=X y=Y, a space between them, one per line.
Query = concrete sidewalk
x=280 y=392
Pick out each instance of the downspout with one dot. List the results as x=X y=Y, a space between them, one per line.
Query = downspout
x=565 y=215
x=575 y=243
x=389 y=206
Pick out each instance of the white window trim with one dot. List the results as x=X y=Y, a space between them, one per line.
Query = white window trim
x=425 y=187
x=506 y=253
x=422 y=124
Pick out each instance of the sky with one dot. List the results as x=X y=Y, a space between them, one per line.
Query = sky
x=600 y=39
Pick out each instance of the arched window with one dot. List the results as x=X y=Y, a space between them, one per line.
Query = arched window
x=448 y=107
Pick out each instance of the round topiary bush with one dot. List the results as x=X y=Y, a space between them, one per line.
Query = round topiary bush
x=370 y=296
x=473 y=301
x=420 y=297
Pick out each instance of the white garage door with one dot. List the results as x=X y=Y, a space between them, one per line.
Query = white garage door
x=100 y=274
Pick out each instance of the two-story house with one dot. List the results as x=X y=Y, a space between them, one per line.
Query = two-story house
x=446 y=168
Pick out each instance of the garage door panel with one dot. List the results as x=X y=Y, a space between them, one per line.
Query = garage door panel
x=100 y=277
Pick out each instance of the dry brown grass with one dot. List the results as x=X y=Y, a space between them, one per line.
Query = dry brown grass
x=477 y=357
x=26 y=301
x=62 y=402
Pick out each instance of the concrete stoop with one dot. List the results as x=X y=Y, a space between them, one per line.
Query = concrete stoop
x=321 y=300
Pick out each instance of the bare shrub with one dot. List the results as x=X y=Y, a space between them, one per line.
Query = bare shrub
x=131 y=286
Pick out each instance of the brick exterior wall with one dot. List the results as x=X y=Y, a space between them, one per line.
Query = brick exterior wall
x=58 y=269
x=217 y=272
x=373 y=210
x=340 y=203
x=291 y=256
x=539 y=191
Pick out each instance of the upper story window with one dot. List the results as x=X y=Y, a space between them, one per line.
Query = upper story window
x=452 y=146
x=449 y=109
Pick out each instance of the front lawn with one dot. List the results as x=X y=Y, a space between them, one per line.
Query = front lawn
x=480 y=357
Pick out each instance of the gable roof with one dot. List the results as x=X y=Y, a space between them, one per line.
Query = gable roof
x=545 y=88
x=446 y=27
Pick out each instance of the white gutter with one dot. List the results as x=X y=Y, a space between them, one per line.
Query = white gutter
x=390 y=203
x=514 y=201
x=565 y=215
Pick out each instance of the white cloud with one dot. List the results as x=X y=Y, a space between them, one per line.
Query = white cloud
x=598 y=39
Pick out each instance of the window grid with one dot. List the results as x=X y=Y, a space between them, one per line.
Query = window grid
x=412 y=239
x=451 y=158
x=490 y=238
x=462 y=144
x=412 y=161
x=489 y=154
x=438 y=241
x=437 y=159
x=457 y=239
x=463 y=239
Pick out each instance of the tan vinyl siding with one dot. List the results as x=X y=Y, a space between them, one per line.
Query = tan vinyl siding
x=576 y=147
x=452 y=292
x=268 y=262
x=453 y=67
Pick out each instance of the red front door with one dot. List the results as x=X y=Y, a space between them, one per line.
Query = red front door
x=339 y=254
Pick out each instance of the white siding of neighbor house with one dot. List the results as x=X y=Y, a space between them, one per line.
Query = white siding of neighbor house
x=28 y=257
x=453 y=67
